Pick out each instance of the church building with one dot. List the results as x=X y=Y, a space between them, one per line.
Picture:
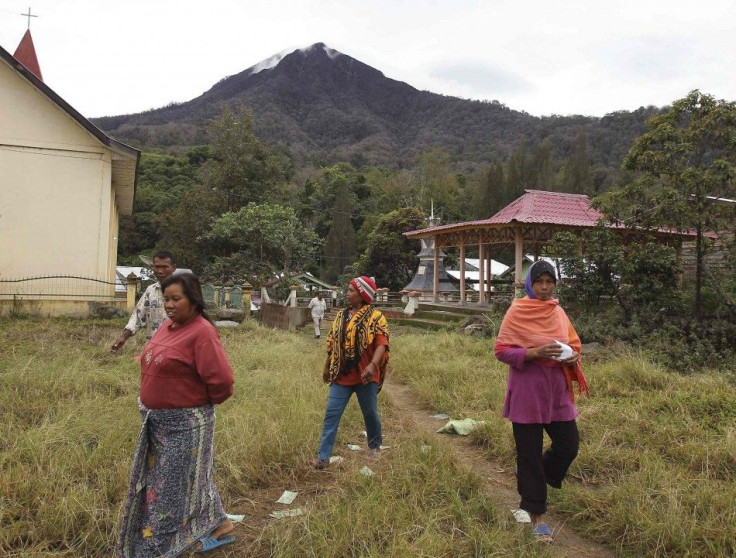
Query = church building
x=63 y=186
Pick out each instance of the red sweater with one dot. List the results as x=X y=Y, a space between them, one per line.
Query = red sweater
x=185 y=366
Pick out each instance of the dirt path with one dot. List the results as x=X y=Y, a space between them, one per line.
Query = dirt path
x=501 y=486
x=407 y=415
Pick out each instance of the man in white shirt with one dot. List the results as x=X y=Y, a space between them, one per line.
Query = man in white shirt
x=149 y=312
x=318 y=306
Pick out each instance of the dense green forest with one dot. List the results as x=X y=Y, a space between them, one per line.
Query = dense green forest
x=190 y=202
x=238 y=209
x=328 y=148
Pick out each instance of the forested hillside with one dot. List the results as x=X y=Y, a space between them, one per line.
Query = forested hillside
x=341 y=147
x=321 y=107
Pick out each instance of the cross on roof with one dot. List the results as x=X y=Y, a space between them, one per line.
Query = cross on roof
x=29 y=15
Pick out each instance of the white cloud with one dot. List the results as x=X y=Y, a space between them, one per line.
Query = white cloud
x=538 y=56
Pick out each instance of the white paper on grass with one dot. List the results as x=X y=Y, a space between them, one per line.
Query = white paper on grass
x=336 y=459
x=280 y=514
x=366 y=471
x=440 y=416
x=521 y=516
x=235 y=518
x=354 y=447
x=287 y=497
x=566 y=351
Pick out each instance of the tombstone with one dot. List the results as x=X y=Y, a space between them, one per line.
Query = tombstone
x=208 y=293
x=236 y=297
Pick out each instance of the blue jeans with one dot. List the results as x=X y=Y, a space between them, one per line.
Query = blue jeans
x=337 y=401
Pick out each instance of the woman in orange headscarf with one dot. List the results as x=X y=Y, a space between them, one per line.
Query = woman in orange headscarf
x=542 y=349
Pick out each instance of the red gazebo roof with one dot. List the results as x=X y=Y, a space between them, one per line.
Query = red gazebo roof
x=557 y=208
x=26 y=55
x=534 y=207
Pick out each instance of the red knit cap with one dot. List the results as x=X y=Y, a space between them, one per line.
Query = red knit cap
x=366 y=288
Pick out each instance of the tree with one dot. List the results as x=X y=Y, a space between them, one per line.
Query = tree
x=492 y=191
x=687 y=156
x=436 y=183
x=576 y=177
x=544 y=165
x=181 y=226
x=258 y=241
x=390 y=257
x=340 y=248
x=634 y=275
x=244 y=170
x=162 y=182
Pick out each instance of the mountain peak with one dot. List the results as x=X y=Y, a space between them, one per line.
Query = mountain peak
x=273 y=61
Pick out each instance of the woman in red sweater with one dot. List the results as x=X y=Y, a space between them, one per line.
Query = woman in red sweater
x=172 y=500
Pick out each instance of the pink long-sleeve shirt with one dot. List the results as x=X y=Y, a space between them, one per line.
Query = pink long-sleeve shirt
x=536 y=392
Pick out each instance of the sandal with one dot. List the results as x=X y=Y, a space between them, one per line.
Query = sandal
x=320 y=464
x=210 y=543
x=542 y=533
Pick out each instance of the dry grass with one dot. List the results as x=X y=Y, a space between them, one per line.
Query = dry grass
x=70 y=423
x=658 y=456
x=654 y=476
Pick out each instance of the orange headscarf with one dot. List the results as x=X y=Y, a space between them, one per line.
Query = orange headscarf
x=532 y=322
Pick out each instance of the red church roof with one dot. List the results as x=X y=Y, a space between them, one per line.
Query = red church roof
x=26 y=55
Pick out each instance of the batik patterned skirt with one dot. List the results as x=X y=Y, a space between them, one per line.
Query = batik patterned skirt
x=172 y=500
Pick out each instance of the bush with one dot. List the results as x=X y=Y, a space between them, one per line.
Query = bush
x=687 y=346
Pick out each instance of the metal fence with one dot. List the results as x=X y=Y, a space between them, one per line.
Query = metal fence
x=49 y=287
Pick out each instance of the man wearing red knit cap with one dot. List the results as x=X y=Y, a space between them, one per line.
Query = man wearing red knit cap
x=357 y=355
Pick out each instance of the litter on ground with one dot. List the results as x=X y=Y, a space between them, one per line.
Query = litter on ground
x=461 y=427
x=366 y=471
x=280 y=514
x=287 y=497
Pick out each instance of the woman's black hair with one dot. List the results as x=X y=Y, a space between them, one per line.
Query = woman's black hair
x=192 y=290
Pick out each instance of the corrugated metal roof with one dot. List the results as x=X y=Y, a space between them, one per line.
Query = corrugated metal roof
x=537 y=206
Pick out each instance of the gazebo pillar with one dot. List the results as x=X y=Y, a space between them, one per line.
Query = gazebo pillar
x=436 y=279
x=481 y=288
x=518 y=259
x=488 y=271
x=462 y=273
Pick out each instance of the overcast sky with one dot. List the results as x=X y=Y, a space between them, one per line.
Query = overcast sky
x=547 y=57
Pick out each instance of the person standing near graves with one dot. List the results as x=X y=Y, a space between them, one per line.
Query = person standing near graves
x=539 y=394
x=149 y=312
x=172 y=502
x=357 y=356
x=318 y=306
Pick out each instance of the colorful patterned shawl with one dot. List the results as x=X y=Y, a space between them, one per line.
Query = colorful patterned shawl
x=350 y=337
x=531 y=323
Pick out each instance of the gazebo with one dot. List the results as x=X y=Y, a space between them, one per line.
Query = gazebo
x=528 y=223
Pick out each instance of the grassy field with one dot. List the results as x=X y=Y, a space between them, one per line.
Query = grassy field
x=654 y=476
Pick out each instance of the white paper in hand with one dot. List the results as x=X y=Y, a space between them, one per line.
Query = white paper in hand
x=566 y=351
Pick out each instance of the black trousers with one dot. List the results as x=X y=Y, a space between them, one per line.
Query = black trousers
x=534 y=469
